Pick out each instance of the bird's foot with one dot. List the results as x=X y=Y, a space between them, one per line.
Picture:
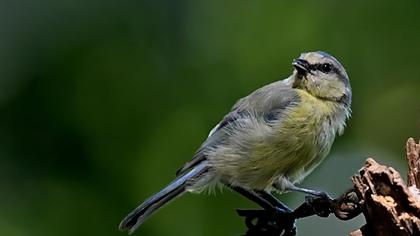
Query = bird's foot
x=273 y=222
x=321 y=203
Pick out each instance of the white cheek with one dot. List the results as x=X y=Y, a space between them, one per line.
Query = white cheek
x=324 y=80
x=312 y=79
x=315 y=81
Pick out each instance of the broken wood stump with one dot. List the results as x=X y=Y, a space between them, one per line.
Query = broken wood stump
x=389 y=205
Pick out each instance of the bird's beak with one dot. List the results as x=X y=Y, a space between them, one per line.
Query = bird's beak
x=302 y=66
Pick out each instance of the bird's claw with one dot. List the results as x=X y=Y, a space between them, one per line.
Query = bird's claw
x=321 y=204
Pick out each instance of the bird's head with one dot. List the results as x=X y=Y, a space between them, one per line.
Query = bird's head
x=321 y=75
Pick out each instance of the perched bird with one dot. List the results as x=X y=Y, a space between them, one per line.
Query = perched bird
x=269 y=141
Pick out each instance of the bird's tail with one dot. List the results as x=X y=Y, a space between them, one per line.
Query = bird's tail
x=176 y=188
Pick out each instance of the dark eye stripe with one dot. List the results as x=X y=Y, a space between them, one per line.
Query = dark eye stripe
x=319 y=67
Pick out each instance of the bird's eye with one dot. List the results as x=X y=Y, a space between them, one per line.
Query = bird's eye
x=326 y=67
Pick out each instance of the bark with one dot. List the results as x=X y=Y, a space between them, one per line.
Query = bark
x=389 y=205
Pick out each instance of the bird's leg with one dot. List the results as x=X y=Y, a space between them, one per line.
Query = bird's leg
x=312 y=192
x=319 y=201
x=258 y=199
x=276 y=217
x=273 y=200
x=289 y=219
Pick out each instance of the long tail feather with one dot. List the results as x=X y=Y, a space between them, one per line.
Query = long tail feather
x=176 y=188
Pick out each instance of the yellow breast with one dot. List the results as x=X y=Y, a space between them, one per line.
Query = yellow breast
x=259 y=153
x=302 y=139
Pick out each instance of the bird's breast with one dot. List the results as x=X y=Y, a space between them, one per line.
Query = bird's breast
x=259 y=153
x=305 y=135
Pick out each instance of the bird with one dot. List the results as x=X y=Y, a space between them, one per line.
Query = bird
x=269 y=141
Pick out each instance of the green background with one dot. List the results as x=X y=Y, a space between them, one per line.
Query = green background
x=102 y=101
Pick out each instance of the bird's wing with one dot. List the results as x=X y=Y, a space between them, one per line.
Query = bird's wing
x=267 y=102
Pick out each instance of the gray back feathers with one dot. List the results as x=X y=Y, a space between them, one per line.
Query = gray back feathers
x=268 y=102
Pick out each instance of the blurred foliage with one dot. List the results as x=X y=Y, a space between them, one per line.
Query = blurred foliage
x=101 y=101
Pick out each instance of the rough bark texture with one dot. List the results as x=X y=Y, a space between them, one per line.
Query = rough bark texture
x=388 y=204
x=413 y=158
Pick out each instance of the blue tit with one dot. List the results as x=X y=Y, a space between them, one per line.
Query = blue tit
x=270 y=140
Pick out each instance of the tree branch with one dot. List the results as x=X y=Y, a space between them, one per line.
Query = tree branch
x=390 y=206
